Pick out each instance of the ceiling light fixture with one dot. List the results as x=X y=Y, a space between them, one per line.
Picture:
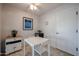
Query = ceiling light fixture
x=33 y=7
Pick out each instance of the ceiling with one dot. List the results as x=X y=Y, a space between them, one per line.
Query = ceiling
x=42 y=7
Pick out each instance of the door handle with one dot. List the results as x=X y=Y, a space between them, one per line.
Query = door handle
x=57 y=33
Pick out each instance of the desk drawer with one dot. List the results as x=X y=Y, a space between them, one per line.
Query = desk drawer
x=9 y=48
x=18 y=46
x=13 y=42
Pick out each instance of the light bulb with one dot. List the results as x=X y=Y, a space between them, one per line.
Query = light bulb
x=31 y=7
x=35 y=8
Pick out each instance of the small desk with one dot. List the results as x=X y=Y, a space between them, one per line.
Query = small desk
x=33 y=41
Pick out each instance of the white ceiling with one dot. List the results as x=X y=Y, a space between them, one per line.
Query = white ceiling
x=42 y=8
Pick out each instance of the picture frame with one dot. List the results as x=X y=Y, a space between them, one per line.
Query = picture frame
x=27 y=23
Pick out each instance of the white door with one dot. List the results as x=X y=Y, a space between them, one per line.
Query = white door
x=66 y=29
x=78 y=31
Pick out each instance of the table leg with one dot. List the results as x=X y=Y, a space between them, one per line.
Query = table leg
x=24 y=48
x=48 y=49
x=33 y=51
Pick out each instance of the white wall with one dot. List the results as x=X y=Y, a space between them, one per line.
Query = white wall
x=12 y=18
x=49 y=27
x=47 y=24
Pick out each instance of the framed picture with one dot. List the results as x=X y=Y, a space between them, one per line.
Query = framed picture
x=27 y=23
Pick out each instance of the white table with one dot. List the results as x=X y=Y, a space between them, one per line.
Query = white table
x=33 y=41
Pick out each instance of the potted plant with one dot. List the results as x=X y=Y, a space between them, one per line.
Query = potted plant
x=13 y=33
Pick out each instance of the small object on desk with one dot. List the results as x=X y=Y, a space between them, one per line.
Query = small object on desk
x=39 y=33
x=14 y=33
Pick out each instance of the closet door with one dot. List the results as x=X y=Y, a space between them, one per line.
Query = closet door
x=78 y=31
x=66 y=29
